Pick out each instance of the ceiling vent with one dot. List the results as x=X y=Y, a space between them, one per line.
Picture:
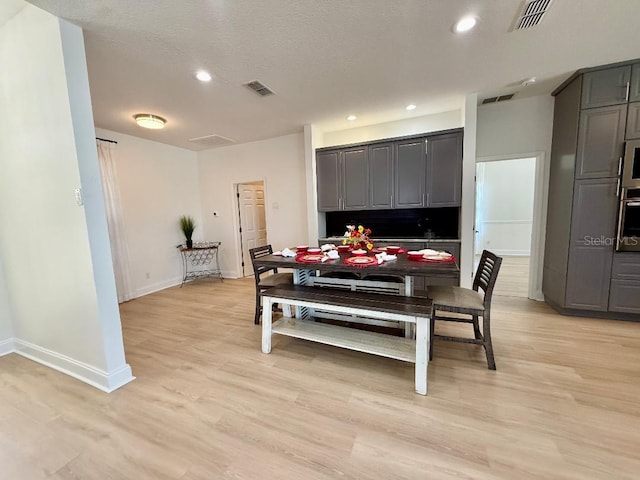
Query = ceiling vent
x=500 y=98
x=211 y=141
x=260 y=88
x=531 y=14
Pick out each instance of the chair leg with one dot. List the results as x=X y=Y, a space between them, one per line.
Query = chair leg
x=476 y=327
x=256 y=320
x=486 y=327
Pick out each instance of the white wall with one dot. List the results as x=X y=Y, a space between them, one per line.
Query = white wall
x=505 y=206
x=518 y=129
x=280 y=163
x=399 y=128
x=515 y=127
x=158 y=183
x=55 y=253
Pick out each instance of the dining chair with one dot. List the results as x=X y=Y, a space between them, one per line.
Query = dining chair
x=469 y=304
x=268 y=281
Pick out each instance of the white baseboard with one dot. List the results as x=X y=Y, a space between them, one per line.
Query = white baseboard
x=7 y=346
x=230 y=274
x=105 y=381
x=156 y=287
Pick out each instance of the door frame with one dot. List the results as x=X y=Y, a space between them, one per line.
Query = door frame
x=538 y=227
x=237 y=239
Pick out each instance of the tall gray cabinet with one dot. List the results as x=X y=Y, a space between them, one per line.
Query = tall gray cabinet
x=589 y=126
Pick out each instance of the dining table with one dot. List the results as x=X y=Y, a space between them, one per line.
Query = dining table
x=322 y=274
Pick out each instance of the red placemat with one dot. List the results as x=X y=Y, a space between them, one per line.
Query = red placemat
x=450 y=259
x=310 y=258
x=384 y=249
x=360 y=262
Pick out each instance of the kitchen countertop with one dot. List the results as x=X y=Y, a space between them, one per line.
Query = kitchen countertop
x=404 y=240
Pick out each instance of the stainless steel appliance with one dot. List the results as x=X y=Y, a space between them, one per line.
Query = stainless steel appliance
x=631 y=169
x=629 y=221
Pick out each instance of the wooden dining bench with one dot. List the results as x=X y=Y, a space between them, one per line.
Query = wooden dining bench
x=415 y=310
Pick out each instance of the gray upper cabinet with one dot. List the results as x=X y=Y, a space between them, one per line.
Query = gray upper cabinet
x=381 y=176
x=606 y=87
x=600 y=141
x=444 y=170
x=355 y=184
x=591 y=249
x=633 y=121
x=329 y=181
x=409 y=167
x=634 y=89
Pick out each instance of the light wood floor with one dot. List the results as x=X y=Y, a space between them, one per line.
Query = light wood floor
x=513 y=278
x=563 y=404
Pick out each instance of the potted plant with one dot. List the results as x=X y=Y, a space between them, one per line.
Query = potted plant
x=187 y=225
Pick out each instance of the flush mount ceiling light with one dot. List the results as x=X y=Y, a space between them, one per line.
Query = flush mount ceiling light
x=411 y=107
x=203 y=76
x=351 y=118
x=465 y=24
x=528 y=81
x=146 y=120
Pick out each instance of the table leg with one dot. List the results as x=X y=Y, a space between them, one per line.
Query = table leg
x=422 y=354
x=266 y=324
x=408 y=292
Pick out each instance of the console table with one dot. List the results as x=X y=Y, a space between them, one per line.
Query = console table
x=201 y=260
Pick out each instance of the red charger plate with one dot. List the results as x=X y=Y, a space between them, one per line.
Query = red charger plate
x=384 y=249
x=434 y=259
x=310 y=258
x=361 y=261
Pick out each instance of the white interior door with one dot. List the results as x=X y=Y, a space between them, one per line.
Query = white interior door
x=253 y=222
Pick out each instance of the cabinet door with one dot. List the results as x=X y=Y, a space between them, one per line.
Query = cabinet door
x=633 y=121
x=444 y=170
x=624 y=296
x=600 y=141
x=410 y=167
x=328 y=175
x=634 y=89
x=606 y=87
x=592 y=243
x=355 y=178
x=381 y=175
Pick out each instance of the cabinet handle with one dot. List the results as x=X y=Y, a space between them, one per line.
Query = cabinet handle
x=618 y=188
x=627 y=88
x=424 y=199
x=392 y=200
x=620 y=166
x=426 y=146
x=633 y=204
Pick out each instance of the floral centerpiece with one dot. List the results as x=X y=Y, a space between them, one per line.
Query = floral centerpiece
x=357 y=237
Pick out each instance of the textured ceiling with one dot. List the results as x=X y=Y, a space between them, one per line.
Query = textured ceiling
x=325 y=59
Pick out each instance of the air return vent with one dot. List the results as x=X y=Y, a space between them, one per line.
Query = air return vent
x=531 y=14
x=211 y=141
x=500 y=98
x=259 y=88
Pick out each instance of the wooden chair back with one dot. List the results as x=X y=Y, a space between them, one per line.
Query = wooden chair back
x=486 y=275
x=259 y=252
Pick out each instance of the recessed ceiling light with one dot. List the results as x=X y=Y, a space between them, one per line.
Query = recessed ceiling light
x=411 y=107
x=203 y=76
x=146 y=120
x=465 y=24
x=351 y=118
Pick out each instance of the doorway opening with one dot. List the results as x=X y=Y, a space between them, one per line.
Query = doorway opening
x=252 y=221
x=504 y=220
